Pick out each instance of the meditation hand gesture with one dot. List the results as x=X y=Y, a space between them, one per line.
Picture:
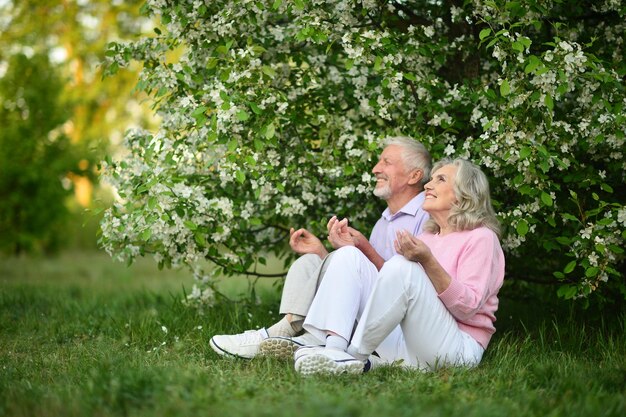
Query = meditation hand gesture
x=411 y=247
x=339 y=234
x=302 y=242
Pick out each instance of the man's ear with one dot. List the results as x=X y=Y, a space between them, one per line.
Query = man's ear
x=416 y=176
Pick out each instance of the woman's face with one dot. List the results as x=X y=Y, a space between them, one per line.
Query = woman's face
x=440 y=191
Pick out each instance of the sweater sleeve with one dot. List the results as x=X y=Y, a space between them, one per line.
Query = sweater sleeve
x=478 y=271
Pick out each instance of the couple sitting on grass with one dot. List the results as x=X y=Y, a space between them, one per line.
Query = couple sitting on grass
x=423 y=290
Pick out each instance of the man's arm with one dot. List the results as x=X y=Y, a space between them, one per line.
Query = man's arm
x=340 y=234
x=368 y=250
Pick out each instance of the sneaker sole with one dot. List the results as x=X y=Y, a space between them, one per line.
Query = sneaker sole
x=319 y=364
x=278 y=348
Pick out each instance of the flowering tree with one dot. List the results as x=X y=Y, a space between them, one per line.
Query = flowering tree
x=272 y=113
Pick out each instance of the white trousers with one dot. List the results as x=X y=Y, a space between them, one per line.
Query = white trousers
x=398 y=311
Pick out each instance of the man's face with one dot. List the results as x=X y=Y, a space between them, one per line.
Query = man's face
x=390 y=172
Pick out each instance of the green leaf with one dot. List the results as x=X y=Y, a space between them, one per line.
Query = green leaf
x=270 y=131
x=277 y=4
x=524 y=152
x=505 y=89
x=569 y=267
x=199 y=111
x=484 y=33
x=548 y=101
x=522 y=227
x=591 y=272
x=565 y=241
x=269 y=71
x=533 y=63
x=378 y=62
x=145 y=235
x=409 y=76
x=190 y=225
x=525 y=41
x=606 y=187
x=242 y=115
x=259 y=145
x=256 y=109
x=517 y=46
x=566 y=291
x=199 y=238
x=546 y=199
x=240 y=176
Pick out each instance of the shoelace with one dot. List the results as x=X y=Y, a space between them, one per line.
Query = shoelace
x=250 y=336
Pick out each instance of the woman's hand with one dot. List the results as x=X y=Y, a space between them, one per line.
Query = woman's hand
x=411 y=247
x=302 y=242
x=415 y=250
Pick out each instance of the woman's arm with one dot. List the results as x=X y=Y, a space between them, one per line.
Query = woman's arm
x=415 y=250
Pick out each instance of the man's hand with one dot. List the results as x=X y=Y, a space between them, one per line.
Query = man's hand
x=302 y=242
x=358 y=238
x=339 y=233
x=411 y=247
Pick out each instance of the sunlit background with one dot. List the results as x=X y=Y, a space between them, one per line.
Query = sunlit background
x=59 y=117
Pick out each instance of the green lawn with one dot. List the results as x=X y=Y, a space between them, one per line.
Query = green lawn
x=83 y=336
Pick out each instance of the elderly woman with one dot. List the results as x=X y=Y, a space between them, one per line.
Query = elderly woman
x=442 y=288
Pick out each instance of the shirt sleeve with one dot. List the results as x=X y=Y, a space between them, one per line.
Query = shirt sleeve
x=478 y=272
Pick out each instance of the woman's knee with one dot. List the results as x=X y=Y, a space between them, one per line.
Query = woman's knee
x=399 y=269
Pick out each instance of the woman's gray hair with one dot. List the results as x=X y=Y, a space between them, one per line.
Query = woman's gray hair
x=415 y=155
x=473 y=207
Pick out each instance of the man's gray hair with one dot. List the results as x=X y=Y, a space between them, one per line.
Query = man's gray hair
x=415 y=155
x=473 y=207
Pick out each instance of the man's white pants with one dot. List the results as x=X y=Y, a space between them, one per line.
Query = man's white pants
x=303 y=279
x=398 y=311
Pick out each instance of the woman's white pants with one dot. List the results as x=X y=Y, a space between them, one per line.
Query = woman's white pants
x=398 y=312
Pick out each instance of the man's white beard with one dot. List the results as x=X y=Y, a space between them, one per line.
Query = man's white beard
x=383 y=192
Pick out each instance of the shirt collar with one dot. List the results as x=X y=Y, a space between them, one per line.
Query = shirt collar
x=411 y=208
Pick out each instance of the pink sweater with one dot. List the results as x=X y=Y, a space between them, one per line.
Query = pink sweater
x=475 y=262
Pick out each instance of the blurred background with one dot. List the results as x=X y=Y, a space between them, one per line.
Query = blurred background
x=59 y=117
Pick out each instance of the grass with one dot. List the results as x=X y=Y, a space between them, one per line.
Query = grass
x=82 y=336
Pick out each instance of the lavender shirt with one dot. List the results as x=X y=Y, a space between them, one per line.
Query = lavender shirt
x=411 y=217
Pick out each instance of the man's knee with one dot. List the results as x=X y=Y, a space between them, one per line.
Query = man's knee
x=349 y=252
x=307 y=260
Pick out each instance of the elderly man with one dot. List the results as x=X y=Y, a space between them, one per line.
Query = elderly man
x=401 y=172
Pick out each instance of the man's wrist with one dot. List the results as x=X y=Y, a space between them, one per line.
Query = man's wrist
x=322 y=253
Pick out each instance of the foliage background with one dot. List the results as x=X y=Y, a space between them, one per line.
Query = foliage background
x=59 y=117
x=273 y=110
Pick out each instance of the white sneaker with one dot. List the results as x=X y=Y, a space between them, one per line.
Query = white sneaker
x=284 y=347
x=243 y=345
x=327 y=361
